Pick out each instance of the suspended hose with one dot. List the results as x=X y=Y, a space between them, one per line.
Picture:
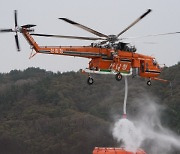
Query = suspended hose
x=125 y=96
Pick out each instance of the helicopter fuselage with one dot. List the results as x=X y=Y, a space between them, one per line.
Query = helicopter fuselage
x=104 y=60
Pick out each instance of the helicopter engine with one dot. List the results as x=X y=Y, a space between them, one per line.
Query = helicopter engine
x=125 y=47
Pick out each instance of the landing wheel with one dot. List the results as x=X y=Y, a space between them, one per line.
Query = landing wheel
x=149 y=83
x=118 y=77
x=90 y=80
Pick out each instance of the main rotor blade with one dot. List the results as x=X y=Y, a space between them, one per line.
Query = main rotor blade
x=137 y=20
x=15 y=18
x=84 y=27
x=152 y=35
x=17 y=42
x=6 y=30
x=69 y=37
x=28 y=26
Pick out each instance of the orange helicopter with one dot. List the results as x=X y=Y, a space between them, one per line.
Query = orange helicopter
x=110 y=56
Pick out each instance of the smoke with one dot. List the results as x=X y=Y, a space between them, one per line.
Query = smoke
x=146 y=130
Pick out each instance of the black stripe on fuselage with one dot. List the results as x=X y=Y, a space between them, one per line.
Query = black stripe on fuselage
x=72 y=53
x=45 y=51
x=149 y=71
x=81 y=53
x=125 y=60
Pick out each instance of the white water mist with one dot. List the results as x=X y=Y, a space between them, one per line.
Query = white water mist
x=146 y=130
x=161 y=140
x=124 y=131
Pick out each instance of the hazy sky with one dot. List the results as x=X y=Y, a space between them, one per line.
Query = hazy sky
x=106 y=16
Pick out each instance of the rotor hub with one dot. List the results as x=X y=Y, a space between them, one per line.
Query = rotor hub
x=17 y=29
x=112 y=38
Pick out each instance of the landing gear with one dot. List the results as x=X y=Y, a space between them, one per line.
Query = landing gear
x=118 y=77
x=149 y=83
x=90 y=80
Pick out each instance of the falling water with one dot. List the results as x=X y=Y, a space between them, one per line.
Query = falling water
x=126 y=133
x=147 y=128
x=125 y=95
x=124 y=130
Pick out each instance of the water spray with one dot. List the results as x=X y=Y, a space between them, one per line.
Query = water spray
x=124 y=130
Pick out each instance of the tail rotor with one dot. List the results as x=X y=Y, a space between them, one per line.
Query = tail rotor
x=17 y=29
x=15 y=18
x=17 y=42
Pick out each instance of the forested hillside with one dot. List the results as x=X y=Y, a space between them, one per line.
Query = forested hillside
x=50 y=113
